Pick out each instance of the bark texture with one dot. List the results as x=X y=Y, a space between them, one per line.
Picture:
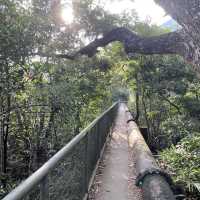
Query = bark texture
x=187 y=14
x=165 y=44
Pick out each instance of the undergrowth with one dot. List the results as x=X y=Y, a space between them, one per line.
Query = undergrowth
x=183 y=163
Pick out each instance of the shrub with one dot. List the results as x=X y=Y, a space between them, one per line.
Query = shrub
x=183 y=162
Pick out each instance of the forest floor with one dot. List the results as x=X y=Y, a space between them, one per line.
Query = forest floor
x=115 y=177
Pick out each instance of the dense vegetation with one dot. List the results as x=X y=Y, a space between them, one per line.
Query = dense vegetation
x=45 y=101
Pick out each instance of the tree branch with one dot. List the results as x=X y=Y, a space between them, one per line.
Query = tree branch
x=66 y=56
x=171 y=103
x=46 y=55
x=8 y=111
x=170 y=43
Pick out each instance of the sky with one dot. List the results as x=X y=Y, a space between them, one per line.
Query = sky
x=146 y=9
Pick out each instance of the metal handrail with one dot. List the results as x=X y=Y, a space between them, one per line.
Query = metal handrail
x=37 y=177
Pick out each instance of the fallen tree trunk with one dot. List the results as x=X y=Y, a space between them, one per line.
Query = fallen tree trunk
x=154 y=182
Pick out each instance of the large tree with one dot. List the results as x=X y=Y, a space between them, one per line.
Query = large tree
x=185 y=42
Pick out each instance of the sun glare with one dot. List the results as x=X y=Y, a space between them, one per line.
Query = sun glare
x=146 y=9
x=67 y=15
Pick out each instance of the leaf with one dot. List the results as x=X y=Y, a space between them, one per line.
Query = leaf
x=197 y=185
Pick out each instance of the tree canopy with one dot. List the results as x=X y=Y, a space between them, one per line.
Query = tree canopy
x=45 y=100
x=184 y=42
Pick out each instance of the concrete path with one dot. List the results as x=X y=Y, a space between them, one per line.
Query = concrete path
x=116 y=174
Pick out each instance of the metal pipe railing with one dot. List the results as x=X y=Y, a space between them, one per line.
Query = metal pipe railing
x=98 y=127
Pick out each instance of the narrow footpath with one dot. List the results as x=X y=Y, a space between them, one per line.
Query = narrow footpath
x=115 y=178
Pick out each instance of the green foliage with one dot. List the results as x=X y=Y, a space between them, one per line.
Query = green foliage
x=44 y=102
x=183 y=161
x=163 y=85
x=145 y=29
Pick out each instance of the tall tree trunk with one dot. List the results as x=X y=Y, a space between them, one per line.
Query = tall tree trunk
x=36 y=147
x=6 y=128
x=187 y=14
x=44 y=145
x=4 y=131
x=6 y=119
x=78 y=122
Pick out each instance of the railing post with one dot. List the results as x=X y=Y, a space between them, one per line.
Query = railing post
x=99 y=134
x=44 y=189
x=86 y=165
x=97 y=143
